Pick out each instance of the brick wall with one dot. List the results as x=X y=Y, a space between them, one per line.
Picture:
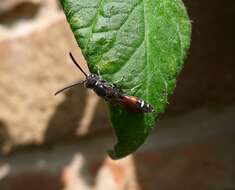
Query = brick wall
x=60 y=142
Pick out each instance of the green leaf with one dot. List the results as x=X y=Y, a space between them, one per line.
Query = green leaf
x=138 y=44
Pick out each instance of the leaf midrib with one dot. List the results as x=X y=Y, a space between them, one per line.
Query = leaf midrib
x=146 y=51
x=147 y=59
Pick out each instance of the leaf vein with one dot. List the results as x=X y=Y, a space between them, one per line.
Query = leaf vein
x=124 y=21
x=92 y=25
x=133 y=53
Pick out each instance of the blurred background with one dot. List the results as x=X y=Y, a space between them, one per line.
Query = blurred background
x=60 y=143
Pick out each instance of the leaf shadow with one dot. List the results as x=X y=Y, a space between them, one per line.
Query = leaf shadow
x=65 y=120
x=94 y=160
x=100 y=119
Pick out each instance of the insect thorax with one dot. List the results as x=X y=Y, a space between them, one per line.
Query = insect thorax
x=101 y=87
x=95 y=82
x=92 y=80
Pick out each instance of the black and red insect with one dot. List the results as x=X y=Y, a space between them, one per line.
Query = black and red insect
x=110 y=92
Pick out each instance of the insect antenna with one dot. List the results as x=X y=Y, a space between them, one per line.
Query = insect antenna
x=68 y=87
x=75 y=62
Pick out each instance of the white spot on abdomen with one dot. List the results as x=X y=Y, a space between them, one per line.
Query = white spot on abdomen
x=142 y=104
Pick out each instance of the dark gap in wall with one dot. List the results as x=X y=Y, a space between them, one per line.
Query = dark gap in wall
x=25 y=11
x=3 y=134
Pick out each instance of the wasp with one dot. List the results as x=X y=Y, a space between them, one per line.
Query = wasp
x=109 y=92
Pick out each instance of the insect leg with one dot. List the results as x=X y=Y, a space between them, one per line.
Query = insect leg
x=98 y=72
x=116 y=84
x=135 y=89
x=119 y=81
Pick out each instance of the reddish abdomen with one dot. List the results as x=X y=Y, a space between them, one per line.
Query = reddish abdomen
x=130 y=102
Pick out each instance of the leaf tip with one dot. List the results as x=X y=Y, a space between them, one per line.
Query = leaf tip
x=115 y=155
